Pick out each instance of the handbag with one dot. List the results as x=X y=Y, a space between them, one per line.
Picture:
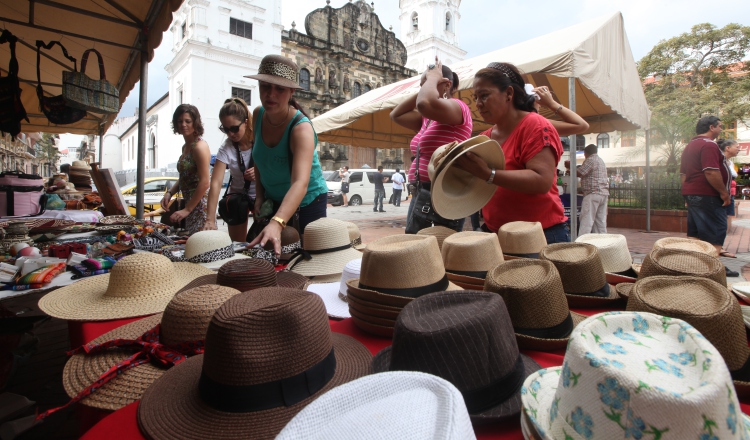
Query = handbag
x=234 y=208
x=11 y=107
x=93 y=95
x=55 y=108
x=176 y=205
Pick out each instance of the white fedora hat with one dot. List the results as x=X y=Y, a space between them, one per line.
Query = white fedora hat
x=334 y=294
x=210 y=249
x=613 y=250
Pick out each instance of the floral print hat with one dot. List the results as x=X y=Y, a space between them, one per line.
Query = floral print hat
x=634 y=375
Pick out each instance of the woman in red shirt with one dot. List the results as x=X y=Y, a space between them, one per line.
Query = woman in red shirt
x=526 y=188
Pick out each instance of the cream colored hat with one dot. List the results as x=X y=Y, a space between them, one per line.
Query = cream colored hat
x=210 y=249
x=138 y=285
x=525 y=239
x=467 y=256
x=326 y=249
x=439 y=232
x=613 y=250
x=80 y=165
x=448 y=152
x=686 y=244
x=355 y=236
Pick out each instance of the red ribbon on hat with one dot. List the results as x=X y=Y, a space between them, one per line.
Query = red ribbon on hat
x=149 y=350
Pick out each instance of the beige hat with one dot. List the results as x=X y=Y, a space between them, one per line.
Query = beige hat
x=675 y=262
x=448 y=152
x=523 y=239
x=613 y=250
x=138 y=285
x=686 y=244
x=467 y=256
x=582 y=274
x=326 y=249
x=355 y=236
x=457 y=193
x=279 y=70
x=439 y=232
x=210 y=249
x=80 y=165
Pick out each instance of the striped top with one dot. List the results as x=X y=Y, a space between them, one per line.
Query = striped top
x=436 y=135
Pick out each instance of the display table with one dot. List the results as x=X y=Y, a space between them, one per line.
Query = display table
x=78 y=216
x=83 y=332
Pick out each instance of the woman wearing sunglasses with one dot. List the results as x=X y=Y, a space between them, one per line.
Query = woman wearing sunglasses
x=234 y=154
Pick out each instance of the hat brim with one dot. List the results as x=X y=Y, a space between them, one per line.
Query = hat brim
x=85 y=300
x=584 y=301
x=376 y=297
x=623 y=289
x=372 y=309
x=292 y=280
x=329 y=293
x=325 y=264
x=373 y=329
x=377 y=320
x=636 y=268
x=324 y=279
x=273 y=79
x=511 y=407
x=215 y=265
x=456 y=278
x=172 y=407
x=540 y=344
x=468 y=286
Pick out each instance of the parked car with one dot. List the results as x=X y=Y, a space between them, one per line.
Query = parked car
x=361 y=187
x=153 y=191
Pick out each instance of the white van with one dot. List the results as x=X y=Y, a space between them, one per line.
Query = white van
x=362 y=187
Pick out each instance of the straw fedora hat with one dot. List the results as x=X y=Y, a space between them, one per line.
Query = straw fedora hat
x=440 y=334
x=439 y=232
x=522 y=239
x=623 y=289
x=686 y=244
x=536 y=302
x=334 y=294
x=613 y=251
x=405 y=405
x=706 y=305
x=634 y=375
x=268 y=355
x=670 y=261
x=138 y=285
x=210 y=249
x=184 y=321
x=355 y=236
x=326 y=249
x=279 y=70
x=467 y=256
x=582 y=274
x=457 y=193
x=445 y=153
x=80 y=165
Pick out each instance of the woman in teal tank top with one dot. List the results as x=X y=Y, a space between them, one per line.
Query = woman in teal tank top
x=289 y=184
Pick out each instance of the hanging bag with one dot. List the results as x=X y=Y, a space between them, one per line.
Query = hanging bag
x=11 y=108
x=93 y=95
x=235 y=208
x=55 y=108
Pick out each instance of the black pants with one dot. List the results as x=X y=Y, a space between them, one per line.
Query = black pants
x=397 y=197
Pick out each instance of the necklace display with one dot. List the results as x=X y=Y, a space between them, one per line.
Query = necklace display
x=268 y=119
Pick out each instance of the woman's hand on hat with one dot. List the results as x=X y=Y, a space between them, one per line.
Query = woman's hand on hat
x=545 y=97
x=271 y=233
x=472 y=163
x=179 y=215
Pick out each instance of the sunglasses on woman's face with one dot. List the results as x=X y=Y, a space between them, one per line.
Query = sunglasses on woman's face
x=232 y=129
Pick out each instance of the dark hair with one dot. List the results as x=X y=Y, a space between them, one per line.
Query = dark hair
x=346 y=167
x=451 y=75
x=380 y=167
x=65 y=168
x=397 y=169
x=237 y=108
x=724 y=143
x=590 y=149
x=293 y=102
x=193 y=112
x=504 y=75
x=705 y=123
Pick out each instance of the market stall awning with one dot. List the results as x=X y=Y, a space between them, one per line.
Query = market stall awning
x=113 y=27
x=608 y=91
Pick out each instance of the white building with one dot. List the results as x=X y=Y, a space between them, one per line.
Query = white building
x=430 y=28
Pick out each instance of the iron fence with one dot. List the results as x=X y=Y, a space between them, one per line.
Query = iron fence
x=663 y=196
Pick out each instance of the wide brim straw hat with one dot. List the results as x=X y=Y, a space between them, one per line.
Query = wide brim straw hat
x=405 y=405
x=613 y=251
x=522 y=238
x=445 y=153
x=457 y=193
x=255 y=340
x=279 y=70
x=676 y=262
x=582 y=274
x=439 y=232
x=686 y=244
x=328 y=246
x=138 y=285
x=185 y=319
x=355 y=236
x=536 y=302
x=468 y=255
x=334 y=294
x=204 y=245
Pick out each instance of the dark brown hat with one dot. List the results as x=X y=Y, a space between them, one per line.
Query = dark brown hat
x=466 y=338
x=536 y=302
x=676 y=262
x=279 y=70
x=582 y=274
x=268 y=354
x=249 y=274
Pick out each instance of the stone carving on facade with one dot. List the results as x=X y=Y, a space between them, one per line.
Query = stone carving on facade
x=347 y=41
x=347 y=87
x=332 y=82
x=319 y=76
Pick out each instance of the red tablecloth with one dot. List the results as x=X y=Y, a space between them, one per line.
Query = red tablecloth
x=83 y=332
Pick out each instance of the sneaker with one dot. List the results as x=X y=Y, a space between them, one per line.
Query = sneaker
x=731 y=273
x=381 y=211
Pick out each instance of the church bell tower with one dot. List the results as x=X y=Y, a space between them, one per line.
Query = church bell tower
x=430 y=28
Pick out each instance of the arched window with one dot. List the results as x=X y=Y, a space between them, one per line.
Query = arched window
x=356 y=90
x=448 y=22
x=414 y=21
x=152 y=152
x=304 y=79
x=367 y=88
x=602 y=140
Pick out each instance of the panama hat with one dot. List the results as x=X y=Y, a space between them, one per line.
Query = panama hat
x=522 y=239
x=80 y=165
x=686 y=244
x=334 y=294
x=210 y=249
x=634 y=375
x=675 y=262
x=457 y=193
x=623 y=289
x=445 y=153
x=582 y=274
x=439 y=232
x=355 y=236
x=467 y=256
x=138 y=285
x=465 y=337
x=706 y=305
x=326 y=249
x=268 y=355
x=253 y=273
x=279 y=70
x=183 y=324
x=613 y=251
x=536 y=302
x=405 y=405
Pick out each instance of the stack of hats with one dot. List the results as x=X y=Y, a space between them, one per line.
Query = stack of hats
x=80 y=176
x=522 y=239
x=467 y=256
x=613 y=251
x=334 y=294
x=395 y=270
x=210 y=249
x=439 y=232
x=326 y=250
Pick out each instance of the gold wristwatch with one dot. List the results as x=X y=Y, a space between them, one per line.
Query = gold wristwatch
x=280 y=220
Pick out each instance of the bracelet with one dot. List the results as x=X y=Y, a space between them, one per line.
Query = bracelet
x=558 y=109
x=280 y=220
x=492 y=176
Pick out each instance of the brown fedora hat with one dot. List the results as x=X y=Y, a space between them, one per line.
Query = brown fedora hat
x=582 y=274
x=623 y=289
x=466 y=338
x=279 y=70
x=268 y=354
x=676 y=262
x=467 y=256
x=536 y=302
x=706 y=305
x=250 y=274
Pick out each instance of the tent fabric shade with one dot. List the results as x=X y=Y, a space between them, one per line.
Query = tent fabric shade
x=609 y=95
x=111 y=26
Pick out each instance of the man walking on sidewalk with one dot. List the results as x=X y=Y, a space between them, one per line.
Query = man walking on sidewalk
x=705 y=179
x=594 y=184
x=379 y=190
x=398 y=187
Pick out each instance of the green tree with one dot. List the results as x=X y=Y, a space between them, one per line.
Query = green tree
x=47 y=151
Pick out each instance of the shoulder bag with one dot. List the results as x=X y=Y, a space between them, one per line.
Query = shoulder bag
x=93 y=95
x=234 y=208
x=55 y=108
x=11 y=107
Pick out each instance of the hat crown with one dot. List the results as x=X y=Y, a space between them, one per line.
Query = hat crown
x=351 y=271
x=247 y=274
x=326 y=233
x=268 y=335
x=186 y=317
x=415 y=258
x=580 y=268
x=206 y=241
x=687 y=244
x=436 y=324
x=141 y=273
x=670 y=261
x=353 y=230
x=522 y=237
x=471 y=251
x=439 y=232
x=613 y=250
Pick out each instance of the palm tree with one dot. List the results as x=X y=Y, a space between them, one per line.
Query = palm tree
x=47 y=151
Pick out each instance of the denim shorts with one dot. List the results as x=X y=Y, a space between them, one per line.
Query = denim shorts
x=730 y=207
x=559 y=233
x=706 y=219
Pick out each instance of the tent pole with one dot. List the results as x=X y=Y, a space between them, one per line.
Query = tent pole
x=648 y=181
x=573 y=150
x=142 y=107
x=101 y=145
